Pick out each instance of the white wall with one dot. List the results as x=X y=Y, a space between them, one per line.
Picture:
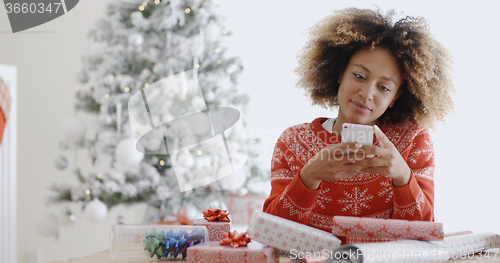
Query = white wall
x=267 y=36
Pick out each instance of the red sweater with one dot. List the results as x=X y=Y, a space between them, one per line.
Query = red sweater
x=362 y=195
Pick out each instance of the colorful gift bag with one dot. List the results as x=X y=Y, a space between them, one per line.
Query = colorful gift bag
x=215 y=228
x=386 y=228
x=213 y=252
x=289 y=235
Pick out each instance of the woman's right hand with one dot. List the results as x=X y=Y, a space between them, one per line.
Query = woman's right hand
x=333 y=162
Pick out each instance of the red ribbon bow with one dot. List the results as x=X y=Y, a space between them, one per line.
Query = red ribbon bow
x=213 y=214
x=234 y=239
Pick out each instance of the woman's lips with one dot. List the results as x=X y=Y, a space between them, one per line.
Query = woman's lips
x=361 y=106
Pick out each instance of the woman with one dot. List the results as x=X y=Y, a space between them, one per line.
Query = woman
x=389 y=75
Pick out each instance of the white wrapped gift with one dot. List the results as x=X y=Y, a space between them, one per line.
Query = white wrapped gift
x=288 y=235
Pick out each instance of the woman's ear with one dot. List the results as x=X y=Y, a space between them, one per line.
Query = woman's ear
x=340 y=77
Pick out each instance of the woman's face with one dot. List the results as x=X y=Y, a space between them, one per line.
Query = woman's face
x=368 y=86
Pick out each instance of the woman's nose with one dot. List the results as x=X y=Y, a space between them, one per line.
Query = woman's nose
x=367 y=91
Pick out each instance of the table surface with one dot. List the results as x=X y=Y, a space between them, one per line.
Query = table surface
x=492 y=255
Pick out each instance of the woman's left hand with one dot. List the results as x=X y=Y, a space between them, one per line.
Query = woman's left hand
x=385 y=160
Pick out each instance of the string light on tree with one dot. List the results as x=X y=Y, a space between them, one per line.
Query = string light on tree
x=219 y=61
x=157 y=2
x=187 y=10
x=126 y=89
x=224 y=31
x=218 y=50
x=199 y=152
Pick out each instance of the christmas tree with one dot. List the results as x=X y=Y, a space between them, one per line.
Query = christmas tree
x=140 y=47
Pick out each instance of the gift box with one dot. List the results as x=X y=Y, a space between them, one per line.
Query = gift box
x=363 y=227
x=213 y=252
x=408 y=251
x=355 y=240
x=460 y=246
x=289 y=235
x=215 y=228
x=157 y=241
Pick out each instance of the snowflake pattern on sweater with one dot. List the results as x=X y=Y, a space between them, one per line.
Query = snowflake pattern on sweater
x=355 y=201
x=364 y=194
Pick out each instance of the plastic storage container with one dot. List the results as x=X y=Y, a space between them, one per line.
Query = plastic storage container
x=128 y=241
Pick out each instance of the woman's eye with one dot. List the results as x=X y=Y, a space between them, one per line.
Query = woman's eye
x=358 y=76
x=384 y=88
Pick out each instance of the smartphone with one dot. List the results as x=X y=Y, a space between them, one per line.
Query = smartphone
x=357 y=133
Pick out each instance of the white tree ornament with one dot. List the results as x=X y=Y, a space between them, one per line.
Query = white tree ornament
x=105 y=119
x=74 y=129
x=136 y=39
x=199 y=123
x=60 y=162
x=48 y=225
x=185 y=160
x=127 y=154
x=109 y=79
x=212 y=31
x=96 y=211
x=82 y=76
